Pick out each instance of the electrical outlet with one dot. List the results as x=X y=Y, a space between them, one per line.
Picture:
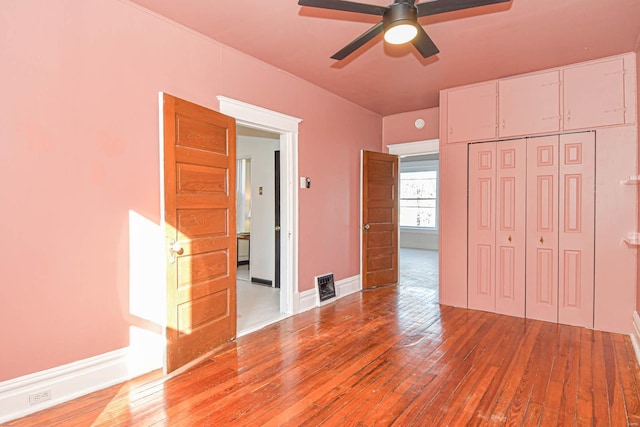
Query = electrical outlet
x=36 y=398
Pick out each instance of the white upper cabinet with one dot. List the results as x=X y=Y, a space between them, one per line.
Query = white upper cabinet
x=594 y=94
x=529 y=105
x=471 y=113
x=588 y=95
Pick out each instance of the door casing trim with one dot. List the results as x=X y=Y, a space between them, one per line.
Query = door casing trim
x=255 y=117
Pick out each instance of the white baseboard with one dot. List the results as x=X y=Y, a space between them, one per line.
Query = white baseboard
x=635 y=335
x=307 y=300
x=85 y=376
x=65 y=383
x=348 y=286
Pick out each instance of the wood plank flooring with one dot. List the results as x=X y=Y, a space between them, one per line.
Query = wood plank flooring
x=389 y=356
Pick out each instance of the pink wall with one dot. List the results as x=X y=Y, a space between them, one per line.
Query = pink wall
x=638 y=169
x=78 y=125
x=399 y=128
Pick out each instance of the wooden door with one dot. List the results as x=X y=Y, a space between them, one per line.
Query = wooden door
x=594 y=94
x=380 y=179
x=199 y=197
x=576 y=229
x=530 y=104
x=542 y=229
x=482 y=231
x=472 y=113
x=511 y=187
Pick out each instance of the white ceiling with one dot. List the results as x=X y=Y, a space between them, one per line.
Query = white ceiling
x=475 y=45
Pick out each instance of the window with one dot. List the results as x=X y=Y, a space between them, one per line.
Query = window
x=419 y=194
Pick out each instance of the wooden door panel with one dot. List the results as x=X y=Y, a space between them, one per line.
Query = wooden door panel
x=202 y=222
x=382 y=215
x=201 y=133
x=200 y=312
x=576 y=234
x=379 y=239
x=196 y=179
x=510 y=227
x=481 y=256
x=195 y=269
x=380 y=177
x=199 y=158
x=542 y=229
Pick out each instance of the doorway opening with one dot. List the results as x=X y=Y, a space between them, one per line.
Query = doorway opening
x=282 y=128
x=419 y=213
x=258 y=221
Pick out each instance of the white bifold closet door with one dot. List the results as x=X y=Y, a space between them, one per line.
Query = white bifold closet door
x=531 y=227
x=497 y=188
x=560 y=228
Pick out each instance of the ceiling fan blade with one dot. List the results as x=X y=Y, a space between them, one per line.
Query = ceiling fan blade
x=360 y=41
x=424 y=44
x=347 y=6
x=442 y=6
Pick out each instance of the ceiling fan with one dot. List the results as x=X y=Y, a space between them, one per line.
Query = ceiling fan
x=399 y=20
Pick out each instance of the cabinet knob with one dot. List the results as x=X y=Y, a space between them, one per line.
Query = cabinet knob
x=541 y=239
x=509 y=239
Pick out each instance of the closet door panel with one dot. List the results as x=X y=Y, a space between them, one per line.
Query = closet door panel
x=510 y=227
x=542 y=229
x=576 y=231
x=482 y=188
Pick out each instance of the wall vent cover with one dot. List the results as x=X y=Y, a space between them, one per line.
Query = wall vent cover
x=326 y=288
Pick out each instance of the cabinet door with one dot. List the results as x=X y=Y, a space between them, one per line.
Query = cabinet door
x=482 y=234
x=510 y=226
x=594 y=94
x=471 y=113
x=530 y=104
x=576 y=229
x=542 y=229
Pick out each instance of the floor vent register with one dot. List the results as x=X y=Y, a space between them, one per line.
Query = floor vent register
x=326 y=288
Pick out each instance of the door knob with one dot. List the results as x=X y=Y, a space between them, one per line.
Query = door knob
x=367 y=226
x=541 y=239
x=277 y=228
x=509 y=239
x=174 y=249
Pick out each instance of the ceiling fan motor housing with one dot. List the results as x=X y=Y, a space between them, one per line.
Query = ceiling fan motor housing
x=399 y=12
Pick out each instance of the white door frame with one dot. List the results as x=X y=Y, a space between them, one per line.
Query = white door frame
x=254 y=117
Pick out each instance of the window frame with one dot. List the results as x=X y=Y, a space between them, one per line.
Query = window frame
x=407 y=165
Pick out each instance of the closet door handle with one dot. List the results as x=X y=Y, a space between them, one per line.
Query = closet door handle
x=541 y=239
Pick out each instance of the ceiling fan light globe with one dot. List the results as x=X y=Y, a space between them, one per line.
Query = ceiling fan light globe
x=400 y=33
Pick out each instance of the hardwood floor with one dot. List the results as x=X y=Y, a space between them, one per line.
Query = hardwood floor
x=389 y=356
